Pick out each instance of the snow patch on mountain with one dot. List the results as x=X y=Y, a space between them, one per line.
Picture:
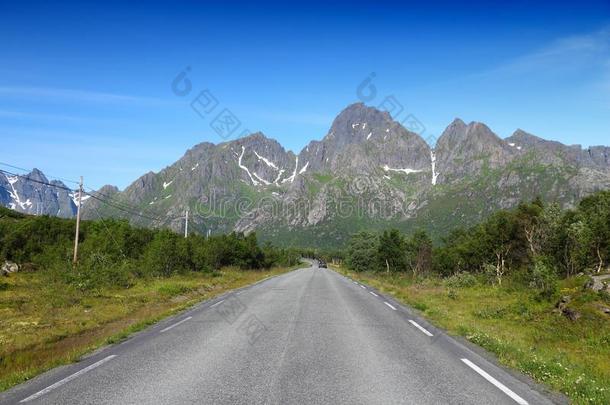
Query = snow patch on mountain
x=304 y=169
x=241 y=166
x=294 y=173
x=14 y=195
x=260 y=179
x=387 y=168
x=279 y=175
x=74 y=197
x=267 y=161
x=434 y=173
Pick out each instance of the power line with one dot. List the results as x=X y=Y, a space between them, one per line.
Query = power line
x=36 y=181
x=124 y=204
x=108 y=230
x=29 y=171
x=122 y=208
x=127 y=208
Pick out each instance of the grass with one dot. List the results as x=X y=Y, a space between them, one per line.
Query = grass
x=523 y=332
x=44 y=324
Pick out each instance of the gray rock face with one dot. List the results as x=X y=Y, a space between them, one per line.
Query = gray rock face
x=363 y=140
x=368 y=170
x=27 y=194
x=463 y=150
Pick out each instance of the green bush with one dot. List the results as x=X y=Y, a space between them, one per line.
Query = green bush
x=114 y=253
x=461 y=280
x=543 y=278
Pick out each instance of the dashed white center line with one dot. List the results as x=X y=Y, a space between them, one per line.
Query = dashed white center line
x=495 y=382
x=372 y=293
x=418 y=326
x=355 y=282
x=67 y=379
x=218 y=303
x=176 y=324
x=390 y=305
x=363 y=287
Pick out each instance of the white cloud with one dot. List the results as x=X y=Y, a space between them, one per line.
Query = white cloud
x=568 y=53
x=43 y=116
x=583 y=60
x=74 y=95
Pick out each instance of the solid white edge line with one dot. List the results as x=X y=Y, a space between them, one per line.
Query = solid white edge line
x=373 y=294
x=389 y=305
x=176 y=324
x=418 y=326
x=495 y=382
x=68 y=379
x=218 y=303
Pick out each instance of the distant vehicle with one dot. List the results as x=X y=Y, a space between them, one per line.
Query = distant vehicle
x=322 y=264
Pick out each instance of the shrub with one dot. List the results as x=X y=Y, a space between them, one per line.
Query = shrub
x=461 y=280
x=543 y=278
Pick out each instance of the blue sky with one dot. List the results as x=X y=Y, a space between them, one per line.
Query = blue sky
x=86 y=88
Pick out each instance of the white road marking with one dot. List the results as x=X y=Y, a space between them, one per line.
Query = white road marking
x=68 y=379
x=495 y=382
x=389 y=305
x=218 y=303
x=176 y=324
x=355 y=282
x=363 y=287
x=418 y=326
x=374 y=294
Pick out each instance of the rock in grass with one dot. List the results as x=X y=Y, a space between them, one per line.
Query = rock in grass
x=571 y=314
x=563 y=302
x=9 y=267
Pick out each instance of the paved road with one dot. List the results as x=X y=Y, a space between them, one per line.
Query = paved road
x=310 y=336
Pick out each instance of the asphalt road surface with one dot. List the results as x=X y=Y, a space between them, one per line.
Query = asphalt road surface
x=310 y=336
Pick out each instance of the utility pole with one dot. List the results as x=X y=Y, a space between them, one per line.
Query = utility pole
x=186 y=223
x=80 y=195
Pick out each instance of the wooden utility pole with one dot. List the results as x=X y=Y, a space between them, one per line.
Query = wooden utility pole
x=80 y=195
x=186 y=224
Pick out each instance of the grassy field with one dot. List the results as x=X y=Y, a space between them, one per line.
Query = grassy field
x=523 y=332
x=44 y=324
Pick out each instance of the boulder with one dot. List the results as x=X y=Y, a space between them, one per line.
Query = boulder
x=571 y=314
x=9 y=267
x=600 y=282
x=563 y=303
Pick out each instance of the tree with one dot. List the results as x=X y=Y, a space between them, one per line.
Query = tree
x=419 y=253
x=361 y=252
x=531 y=221
x=391 y=251
x=594 y=212
x=503 y=241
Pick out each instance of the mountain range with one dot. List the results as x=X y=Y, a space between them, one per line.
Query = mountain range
x=367 y=172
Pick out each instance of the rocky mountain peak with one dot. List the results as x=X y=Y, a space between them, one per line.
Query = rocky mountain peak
x=463 y=149
x=37 y=175
x=365 y=156
x=29 y=194
x=351 y=125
